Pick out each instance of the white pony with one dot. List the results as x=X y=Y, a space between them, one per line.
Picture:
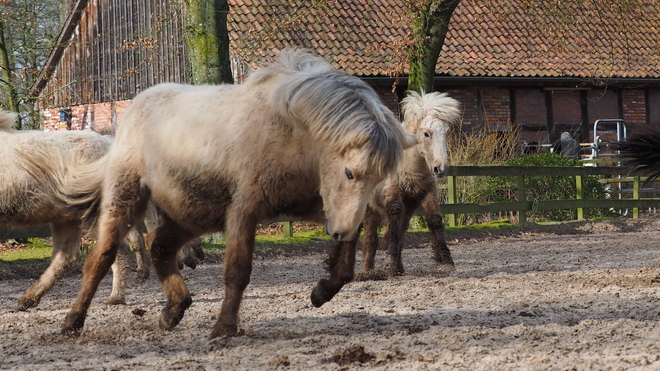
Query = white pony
x=26 y=202
x=297 y=138
x=428 y=118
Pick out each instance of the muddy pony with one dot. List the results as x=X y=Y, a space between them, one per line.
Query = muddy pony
x=297 y=138
x=26 y=202
x=414 y=185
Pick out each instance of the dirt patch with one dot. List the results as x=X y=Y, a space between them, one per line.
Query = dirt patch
x=576 y=296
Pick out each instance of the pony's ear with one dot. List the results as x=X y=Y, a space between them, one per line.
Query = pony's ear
x=409 y=140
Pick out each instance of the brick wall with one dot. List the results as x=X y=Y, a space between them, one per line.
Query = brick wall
x=469 y=104
x=496 y=106
x=530 y=108
x=97 y=117
x=634 y=107
x=566 y=110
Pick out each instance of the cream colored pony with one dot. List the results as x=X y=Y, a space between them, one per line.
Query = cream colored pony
x=297 y=138
x=428 y=118
x=25 y=200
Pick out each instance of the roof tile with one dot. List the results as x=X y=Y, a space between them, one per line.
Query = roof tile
x=486 y=37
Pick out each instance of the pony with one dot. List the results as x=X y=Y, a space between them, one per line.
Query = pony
x=25 y=200
x=298 y=138
x=414 y=185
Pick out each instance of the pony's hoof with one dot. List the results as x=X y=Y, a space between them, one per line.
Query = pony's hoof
x=172 y=315
x=142 y=276
x=25 y=304
x=322 y=294
x=223 y=331
x=73 y=324
x=447 y=267
x=116 y=301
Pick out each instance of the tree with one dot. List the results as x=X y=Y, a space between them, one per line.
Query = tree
x=28 y=29
x=430 y=23
x=208 y=41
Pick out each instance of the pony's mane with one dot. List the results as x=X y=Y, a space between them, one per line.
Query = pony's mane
x=7 y=119
x=440 y=105
x=338 y=109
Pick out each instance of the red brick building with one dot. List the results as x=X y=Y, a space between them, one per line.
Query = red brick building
x=547 y=67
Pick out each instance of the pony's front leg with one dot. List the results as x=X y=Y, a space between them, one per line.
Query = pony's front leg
x=120 y=269
x=393 y=237
x=238 y=267
x=370 y=222
x=66 y=249
x=433 y=219
x=341 y=266
x=165 y=242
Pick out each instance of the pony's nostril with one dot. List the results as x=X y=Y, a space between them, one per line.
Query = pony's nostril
x=437 y=171
x=336 y=236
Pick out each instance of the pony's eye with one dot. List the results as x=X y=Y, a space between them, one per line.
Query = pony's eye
x=349 y=174
x=426 y=134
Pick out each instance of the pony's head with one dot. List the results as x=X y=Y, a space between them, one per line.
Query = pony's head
x=358 y=139
x=428 y=118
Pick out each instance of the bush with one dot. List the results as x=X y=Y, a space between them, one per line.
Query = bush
x=547 y=187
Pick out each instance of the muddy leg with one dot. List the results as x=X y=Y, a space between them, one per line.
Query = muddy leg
x=66 y=249
x=341 y=266
x=433 y=219
x=122 y=202
x=394 y=234
x=143 y=260
x=165 y=243
x=119 y=276
x=371 y=222
x=238 y=267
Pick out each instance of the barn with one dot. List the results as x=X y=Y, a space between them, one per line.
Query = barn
x=545 y=67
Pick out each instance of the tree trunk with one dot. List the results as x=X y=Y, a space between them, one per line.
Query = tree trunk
x=430 y=25
x=208 y=41
x=6 y=77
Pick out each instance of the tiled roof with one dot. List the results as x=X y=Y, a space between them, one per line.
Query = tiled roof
x=552 y=38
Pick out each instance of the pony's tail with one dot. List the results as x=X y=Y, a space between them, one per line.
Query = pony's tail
x=7 y=119
x=641 y=151
x=73 y=184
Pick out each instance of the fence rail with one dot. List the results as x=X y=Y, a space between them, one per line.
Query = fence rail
x=453 y=208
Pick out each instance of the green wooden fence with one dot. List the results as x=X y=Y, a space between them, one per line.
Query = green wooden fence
x=452 y=208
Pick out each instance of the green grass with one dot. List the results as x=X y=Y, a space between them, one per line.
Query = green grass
x=37 y=249
x=265 y=242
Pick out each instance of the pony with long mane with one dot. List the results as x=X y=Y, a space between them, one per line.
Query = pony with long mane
x=25 y=200
x=428 y=117
x=297 y=138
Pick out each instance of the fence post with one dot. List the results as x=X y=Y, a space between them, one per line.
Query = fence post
x=579 y=194
x=522 y=196
x=636 y=196
x=451 y=197
x=288 y=229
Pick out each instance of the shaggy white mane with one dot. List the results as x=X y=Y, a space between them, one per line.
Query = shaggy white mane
x=440 y=105
x=339 y=109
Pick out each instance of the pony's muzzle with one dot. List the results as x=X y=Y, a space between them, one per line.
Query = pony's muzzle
x=439 y=171
x=338 y=235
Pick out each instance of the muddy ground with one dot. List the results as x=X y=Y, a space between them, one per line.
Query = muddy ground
x=578 y=296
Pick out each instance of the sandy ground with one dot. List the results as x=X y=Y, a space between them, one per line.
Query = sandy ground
x=582 y=296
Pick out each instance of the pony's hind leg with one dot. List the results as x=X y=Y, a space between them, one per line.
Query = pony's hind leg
x=396 y=227
x=66 y=249
x=433 y=219
x=142 y=259
x=165 y=242
x=341 y=266
x=121 y=204
x=371 y=222
x=119 y=276
x=240 y=231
